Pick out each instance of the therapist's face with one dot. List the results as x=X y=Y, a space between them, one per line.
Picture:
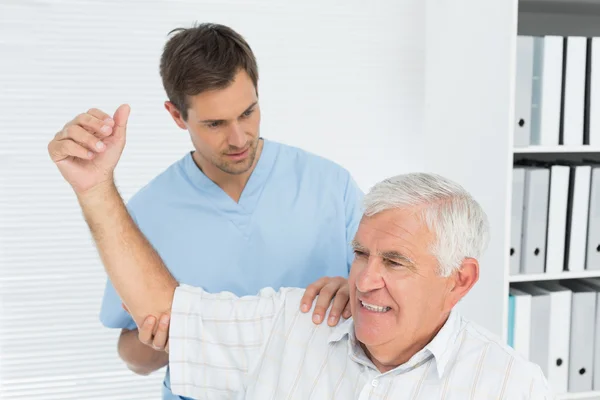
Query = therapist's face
x=224 y=126
x=398 y=299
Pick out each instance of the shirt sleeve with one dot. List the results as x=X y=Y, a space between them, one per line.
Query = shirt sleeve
x=353 y=201
x=215 y=340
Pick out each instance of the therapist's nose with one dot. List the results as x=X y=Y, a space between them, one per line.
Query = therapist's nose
x=236 y=136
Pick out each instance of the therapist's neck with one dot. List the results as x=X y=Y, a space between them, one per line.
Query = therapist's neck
x=230 y=183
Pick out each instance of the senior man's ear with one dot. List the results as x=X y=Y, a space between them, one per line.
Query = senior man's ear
x=464 y=278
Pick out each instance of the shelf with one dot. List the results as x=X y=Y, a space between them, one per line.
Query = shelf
x=557 y=149
x=559 y=17
x=554 y=277
x=581 y=395
x=557 y=153
x=562 y=7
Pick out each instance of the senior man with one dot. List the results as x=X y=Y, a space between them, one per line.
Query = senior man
x=416 y=256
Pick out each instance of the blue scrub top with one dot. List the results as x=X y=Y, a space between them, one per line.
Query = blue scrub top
x=292 y=225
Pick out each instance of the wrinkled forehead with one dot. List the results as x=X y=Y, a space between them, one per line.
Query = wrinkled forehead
x=402 y=227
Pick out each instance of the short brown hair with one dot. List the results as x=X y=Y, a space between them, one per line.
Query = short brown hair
x=204 y=57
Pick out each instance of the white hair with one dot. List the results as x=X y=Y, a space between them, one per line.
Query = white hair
x=458 y=222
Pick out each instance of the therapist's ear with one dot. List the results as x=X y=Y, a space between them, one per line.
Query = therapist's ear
x=175 y=114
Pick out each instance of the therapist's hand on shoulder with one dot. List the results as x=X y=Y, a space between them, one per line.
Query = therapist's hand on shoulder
x=331 y=291
x=87 y=149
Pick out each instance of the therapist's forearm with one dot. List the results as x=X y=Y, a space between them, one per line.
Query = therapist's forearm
x=135 y=269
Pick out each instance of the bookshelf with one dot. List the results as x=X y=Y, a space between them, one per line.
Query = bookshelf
x=553 y=277
x=557 y=154
x=550 y=154
x=559 y=17
x=557 y=150
x=554 y=18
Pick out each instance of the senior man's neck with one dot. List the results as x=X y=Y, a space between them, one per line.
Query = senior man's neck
x=135 y=269
x=393 y=354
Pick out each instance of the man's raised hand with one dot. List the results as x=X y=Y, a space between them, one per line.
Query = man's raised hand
x=88 y=148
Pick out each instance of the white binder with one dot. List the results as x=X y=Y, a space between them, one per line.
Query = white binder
x=539 y=340
x=535 y=211
x=579 y=218
x=574 y=104
x=595 y=284
x=592 y=261
x=523 y=87
x=551 y=89
x=560 y=331
x=594 y=106
x=516 y=222
x=535 y=134
x=557 y=218
x=522 y=322
x=581 y=348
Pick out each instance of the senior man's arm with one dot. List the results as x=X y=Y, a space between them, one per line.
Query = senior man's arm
x=135 y=269
x=216 y=340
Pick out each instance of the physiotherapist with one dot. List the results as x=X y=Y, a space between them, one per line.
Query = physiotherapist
x=258 y=212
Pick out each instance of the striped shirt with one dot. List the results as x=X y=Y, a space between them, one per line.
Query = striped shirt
x=263 y=347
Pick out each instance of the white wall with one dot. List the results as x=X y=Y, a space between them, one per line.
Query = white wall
x=347 y=85
x=468 y=120
x=337 y=78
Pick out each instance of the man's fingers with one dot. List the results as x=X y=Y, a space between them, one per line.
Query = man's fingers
x=162 y=333
x=146 y=331
x=155 y=334
x=310 y=293
x=347 y=311
x=121 y=117
x=325 y=296
x=82 y=137
x=99 y=127
x=62 y=149
x=339 y=303
x=101 y=115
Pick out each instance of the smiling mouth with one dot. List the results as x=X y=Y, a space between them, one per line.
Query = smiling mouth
x=374 y=308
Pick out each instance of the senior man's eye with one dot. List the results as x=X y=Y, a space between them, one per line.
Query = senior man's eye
x=359 y=253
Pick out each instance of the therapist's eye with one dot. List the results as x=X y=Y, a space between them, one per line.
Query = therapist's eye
x=247 y=113
x=215 y=124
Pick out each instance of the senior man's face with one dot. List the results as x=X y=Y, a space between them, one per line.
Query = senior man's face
x=398 y=300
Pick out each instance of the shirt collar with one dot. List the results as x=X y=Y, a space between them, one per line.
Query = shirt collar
x=261 y=170
x=441 y=347
x=342 y=329
x=443 y=343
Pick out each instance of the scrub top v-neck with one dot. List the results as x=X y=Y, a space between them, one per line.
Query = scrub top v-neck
x=239 y=213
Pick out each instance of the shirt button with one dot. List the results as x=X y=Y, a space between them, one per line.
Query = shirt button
x=375 y=383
